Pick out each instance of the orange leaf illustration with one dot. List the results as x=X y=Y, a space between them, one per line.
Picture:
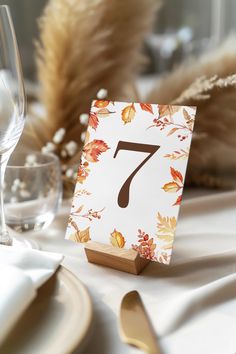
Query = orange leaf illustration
x=128 y=114
x=85 y=235
x=189 y=120
x=166 y=228
x=171 y=187
x=103 y=113
x=79 y=210
x=187 y=116
x=101 y=104
x=80 y=236
x=178 y=200
x=167 y=110
x=163 y=110
x=163 y=257
x=178 y=155
x=83 y=172
x=146 y=107
x=177 y=176
x=117 y=239
x=93 y=120
x=93 y=149
x=172 y=131
x=87 y=137
x=146 y=247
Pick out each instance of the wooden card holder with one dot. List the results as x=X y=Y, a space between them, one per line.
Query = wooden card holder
x=117 y=258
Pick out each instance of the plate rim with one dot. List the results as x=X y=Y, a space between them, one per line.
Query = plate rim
x=80 y=339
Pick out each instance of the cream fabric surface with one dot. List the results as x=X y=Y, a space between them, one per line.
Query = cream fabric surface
x=192 y=302
x=22 y=272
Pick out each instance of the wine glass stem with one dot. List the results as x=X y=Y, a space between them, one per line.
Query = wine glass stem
x=5 y=238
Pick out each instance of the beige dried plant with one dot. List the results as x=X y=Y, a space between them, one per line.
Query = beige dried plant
x=212 y=157
x=207 y=83
x=85 y=45
x=221 y=62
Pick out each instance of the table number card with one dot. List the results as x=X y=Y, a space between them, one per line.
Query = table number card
x=131 y=177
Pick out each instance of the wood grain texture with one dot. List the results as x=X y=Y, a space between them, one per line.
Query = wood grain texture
x=121 y=259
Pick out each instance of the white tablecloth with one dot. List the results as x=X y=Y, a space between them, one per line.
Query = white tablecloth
x=192 y=303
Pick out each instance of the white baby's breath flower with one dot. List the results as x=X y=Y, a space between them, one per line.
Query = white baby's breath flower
x=69 y=173
x=71 y=147
x=63 y=153
x=44 y=150
x=83 y=118
x=83 y=136
x=102 y=93
x=50 y=147
x=37 y=109
x=59 y=135
x=24 y=193
x=31 y=159
x=14 y=188
x=16 y=182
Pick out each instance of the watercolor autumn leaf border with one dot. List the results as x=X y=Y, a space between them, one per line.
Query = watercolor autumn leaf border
x=178 y=154
x=160 y=250
x=176 y=185
x=156 y=248
x=82 y=235
x=163 y=120
x=117 y=239
x=166 y=120
x=100 y=110
x=166 y=226
x=146 y=246
x=91 y=152
x=93 y=149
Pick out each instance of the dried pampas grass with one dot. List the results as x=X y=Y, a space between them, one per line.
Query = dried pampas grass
x=216 y=107
x=220 y=62
x=213 y=149
x=85 y=45
x=207 y=83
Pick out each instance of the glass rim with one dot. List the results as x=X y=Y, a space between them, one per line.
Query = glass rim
x=5 y=11
x=54 y=159
x=4 y=6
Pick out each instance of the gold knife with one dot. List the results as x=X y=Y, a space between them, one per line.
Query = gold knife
x=135 y=326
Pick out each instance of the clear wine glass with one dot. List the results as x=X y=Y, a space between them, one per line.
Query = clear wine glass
x=12 y=104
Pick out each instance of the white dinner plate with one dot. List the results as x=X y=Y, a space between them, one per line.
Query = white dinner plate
x=57 y=322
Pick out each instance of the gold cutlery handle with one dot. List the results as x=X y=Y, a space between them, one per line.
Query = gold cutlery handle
x=154 y=351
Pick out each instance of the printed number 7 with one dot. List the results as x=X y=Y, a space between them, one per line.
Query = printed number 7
x=123 y=196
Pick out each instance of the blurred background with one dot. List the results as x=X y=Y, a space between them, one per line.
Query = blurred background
x=183 y=28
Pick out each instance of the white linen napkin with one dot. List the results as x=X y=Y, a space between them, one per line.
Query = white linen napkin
x=22 y=272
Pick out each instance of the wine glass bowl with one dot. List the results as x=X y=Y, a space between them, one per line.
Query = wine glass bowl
x=12 y=103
